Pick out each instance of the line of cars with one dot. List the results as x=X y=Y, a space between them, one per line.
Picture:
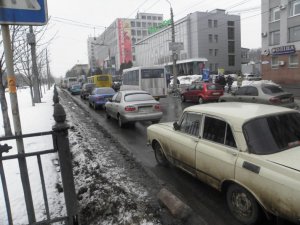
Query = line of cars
x=248 y=151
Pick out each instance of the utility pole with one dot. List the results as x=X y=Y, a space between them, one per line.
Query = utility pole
x=11 y=78
x=32 y=43
x=48 y=70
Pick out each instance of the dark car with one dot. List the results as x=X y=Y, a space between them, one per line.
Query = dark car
x=261 y=93
x=75 y=89
x=202 y=92
x=86 y=90
x=100 y=96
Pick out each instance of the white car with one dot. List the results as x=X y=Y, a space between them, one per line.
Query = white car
x=249 y=151
x=131 y=106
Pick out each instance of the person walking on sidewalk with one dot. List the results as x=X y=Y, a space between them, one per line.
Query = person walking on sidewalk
x=229 y=83
x=239 y=81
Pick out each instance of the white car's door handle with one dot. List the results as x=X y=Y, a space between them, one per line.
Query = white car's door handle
x=234 y=153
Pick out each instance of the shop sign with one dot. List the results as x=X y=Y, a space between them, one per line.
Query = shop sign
x=283 y=50
x=164 y=24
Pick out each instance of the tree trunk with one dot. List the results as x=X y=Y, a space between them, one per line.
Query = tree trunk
x=4 y=109
x=31 y=94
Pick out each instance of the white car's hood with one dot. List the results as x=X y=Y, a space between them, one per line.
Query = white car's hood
x=289 y=158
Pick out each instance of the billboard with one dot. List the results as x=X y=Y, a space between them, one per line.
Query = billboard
x=124 y=37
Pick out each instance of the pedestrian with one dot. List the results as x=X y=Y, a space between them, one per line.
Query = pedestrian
x=229 y=83
x=222 y=81
x=239 y=81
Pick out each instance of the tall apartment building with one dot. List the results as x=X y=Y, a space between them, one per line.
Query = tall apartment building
x=210 y=40
x=281 y=41
x=116 y=44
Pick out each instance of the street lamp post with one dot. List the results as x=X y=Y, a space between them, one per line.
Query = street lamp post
x=174 y=55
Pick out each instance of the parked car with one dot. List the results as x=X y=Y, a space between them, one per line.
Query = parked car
x=86 y=90
x=261 y=93
x=131 y=106
x=249 y=151
x=75 y=89
x=251 y=77
x=99 y=96
x=202 y=92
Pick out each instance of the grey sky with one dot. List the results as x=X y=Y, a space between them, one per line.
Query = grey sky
x=76 y=20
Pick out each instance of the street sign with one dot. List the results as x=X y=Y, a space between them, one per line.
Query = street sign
x=175 y=46
x=25 y=12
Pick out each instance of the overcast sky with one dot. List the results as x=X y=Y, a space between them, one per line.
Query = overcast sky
x=74 y=21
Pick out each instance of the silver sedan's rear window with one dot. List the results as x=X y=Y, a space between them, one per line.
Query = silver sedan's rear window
x=138 y=97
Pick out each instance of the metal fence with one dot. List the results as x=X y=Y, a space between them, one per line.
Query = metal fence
x=60 y=139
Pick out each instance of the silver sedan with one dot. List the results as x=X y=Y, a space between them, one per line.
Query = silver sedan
x=132 y=106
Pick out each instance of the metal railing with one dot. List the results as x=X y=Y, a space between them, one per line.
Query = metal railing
x=59 y=135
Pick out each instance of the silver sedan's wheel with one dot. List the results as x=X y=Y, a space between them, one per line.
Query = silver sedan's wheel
x=159 y=155
x=200 y=100
x=120 y=122
x=107 y=115
x=243 y=205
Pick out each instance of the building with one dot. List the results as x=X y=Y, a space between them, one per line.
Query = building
x=91 y=53
x=115 y=45
x=281 y=41
x=210 y=40
x=78 y=70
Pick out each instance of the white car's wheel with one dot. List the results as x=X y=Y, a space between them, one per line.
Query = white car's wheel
x=182 y=98
x=159 y=155
x=200 y=100
x=243 y=205
x=107 y=115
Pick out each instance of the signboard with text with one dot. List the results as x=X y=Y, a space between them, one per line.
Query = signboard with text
x=175 y=46
x=283 y=50
x=26 y=12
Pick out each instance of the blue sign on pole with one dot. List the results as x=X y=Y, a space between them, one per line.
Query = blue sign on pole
x=26 y=12
x=205 y=74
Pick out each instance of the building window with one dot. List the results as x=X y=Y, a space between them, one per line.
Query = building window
x=231 y=48
x=216 y=38
x=133 y=40
x=293 y=61
x=210 y=52
x=133 y=32
x=216 y=52
x=231 y=60
x=150 y=24
x=274 y=37
x=230 y=33
x=139 y=33
x=274 y=14
x=230 y=23
x=145 y=32
x=138 y=24
x=294 y=34
x=209 y=23
x=159 y=18
x=210 y=38
x=215 y=23
x=148 y=17
x=133 y=57
x=295 y=8
x=143 y=17
x=143 y=24
x=274 y=62
x=216 y=66
x=210 y=67
x=154 y=18
x=132 y=24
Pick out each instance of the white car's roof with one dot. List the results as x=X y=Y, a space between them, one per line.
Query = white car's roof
x=237 y=113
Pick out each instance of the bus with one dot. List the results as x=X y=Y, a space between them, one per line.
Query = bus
x=151 y=79
x=102 y=80
x=70 y=81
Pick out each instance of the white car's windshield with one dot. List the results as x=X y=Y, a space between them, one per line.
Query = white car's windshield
x=273 y=134
x=138 y=97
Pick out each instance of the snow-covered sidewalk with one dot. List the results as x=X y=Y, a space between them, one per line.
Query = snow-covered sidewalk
x=33 y=119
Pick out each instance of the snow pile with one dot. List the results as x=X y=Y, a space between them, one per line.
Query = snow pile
x=107 y=190
x=188 y=79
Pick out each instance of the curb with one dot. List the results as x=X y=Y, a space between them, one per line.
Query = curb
x=177 y=207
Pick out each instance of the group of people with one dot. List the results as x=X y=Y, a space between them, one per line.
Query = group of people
x=221 y=80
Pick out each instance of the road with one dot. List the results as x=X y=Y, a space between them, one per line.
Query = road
x=205 y=201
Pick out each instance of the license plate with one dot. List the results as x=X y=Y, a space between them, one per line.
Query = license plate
x=144 y=110
x=285 y=100
x=216 y=93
